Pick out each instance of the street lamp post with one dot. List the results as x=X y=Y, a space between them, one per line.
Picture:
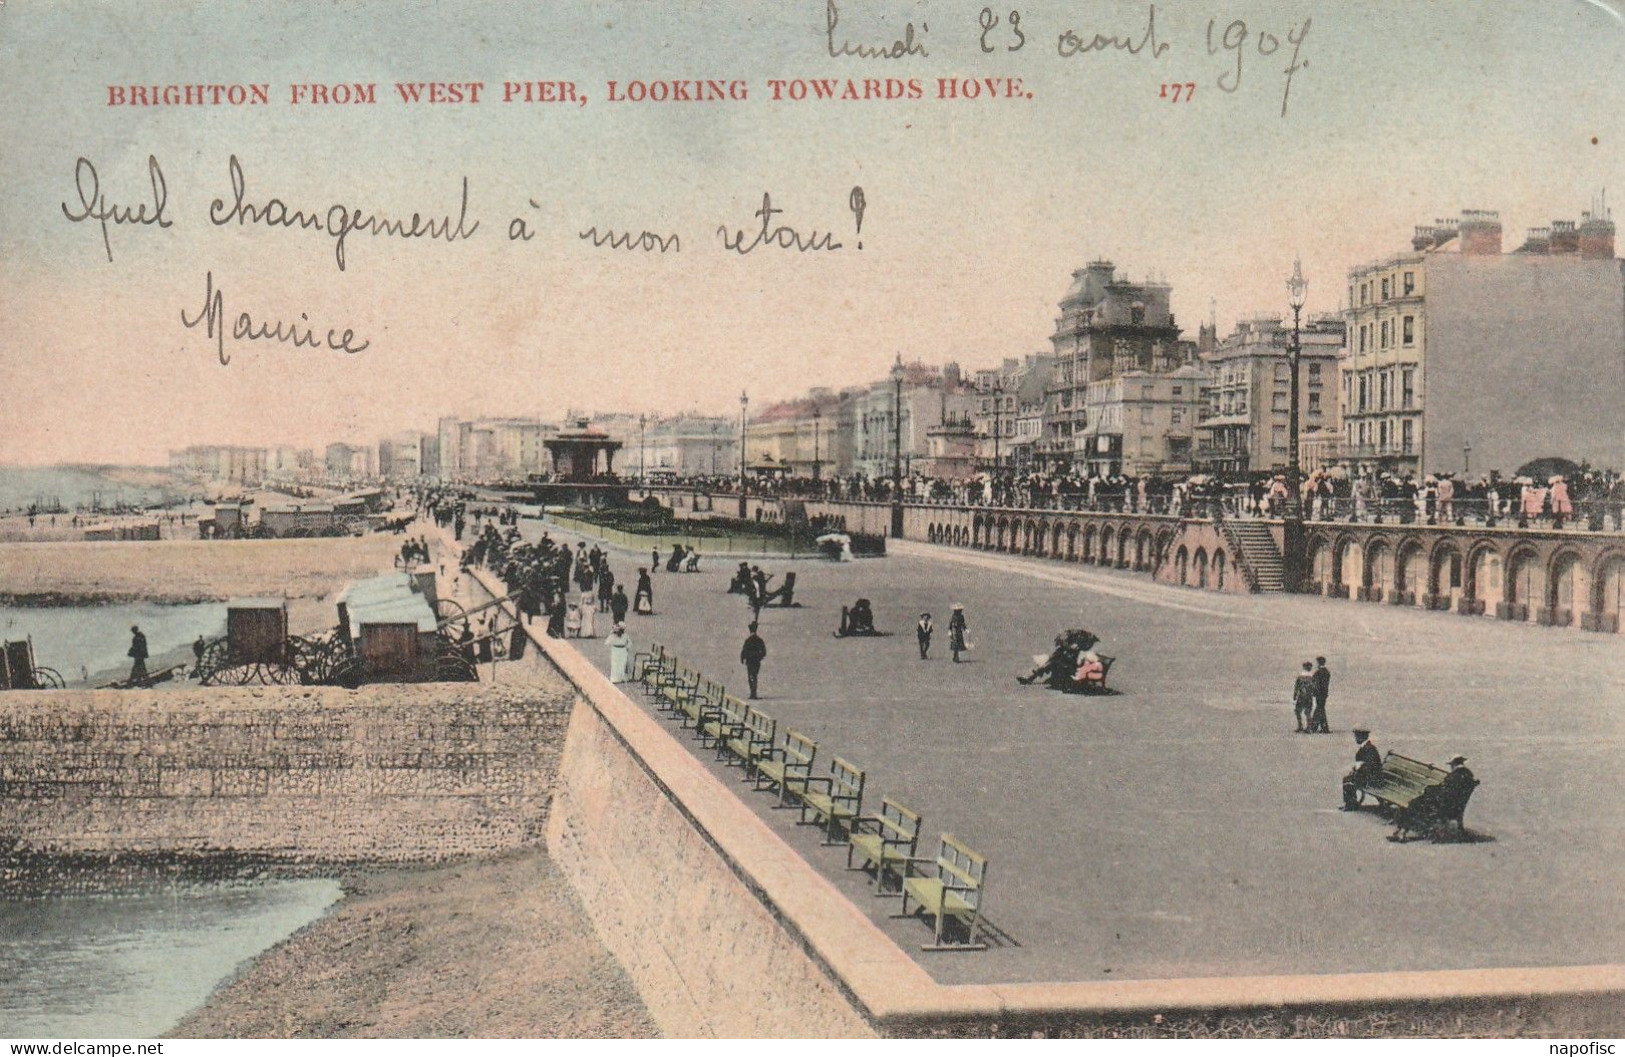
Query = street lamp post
x=817 y=463
x=1293 y=537
x=897 y=449
x=744 y=402
x=1466 y=459
x=998 y=410
x=643 y=451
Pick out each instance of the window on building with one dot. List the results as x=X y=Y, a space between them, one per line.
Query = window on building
x=1351 y=295
x=1279 y=403
x=1385 y=289
x=1409 y=283
x=1282 y=372
x=1176 y=417
x=1147 y=416
x=1136 y=315
x=1362 y=337
x=1314 y=403
x=1365 y=293
x=1314 y=374
x=1382 y=395
x=1384 y=334
x=1365 y=434
x=1351 y=434
x=1146 y=392
x=1407 y=394
x=1382 y=434
x=1365 y=392
x=1410 y=330
x=1278 y=438
x=1407 y=435
x=1178 y=391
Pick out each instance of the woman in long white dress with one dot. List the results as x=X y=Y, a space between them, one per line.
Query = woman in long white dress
x=589 y=616
x=620 y=653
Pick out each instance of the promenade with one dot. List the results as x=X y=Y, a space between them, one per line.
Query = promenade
x=1181 y=828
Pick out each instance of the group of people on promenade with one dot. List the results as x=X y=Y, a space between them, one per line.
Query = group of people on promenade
x=1588 y=498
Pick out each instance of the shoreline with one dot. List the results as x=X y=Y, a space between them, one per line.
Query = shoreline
x=491 y=947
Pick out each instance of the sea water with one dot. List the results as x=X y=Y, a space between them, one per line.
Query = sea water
x=131 y=965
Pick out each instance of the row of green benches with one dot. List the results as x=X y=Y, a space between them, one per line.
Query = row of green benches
x=948 y=888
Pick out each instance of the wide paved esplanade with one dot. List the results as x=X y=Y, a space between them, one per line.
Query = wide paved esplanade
x=1558 y=578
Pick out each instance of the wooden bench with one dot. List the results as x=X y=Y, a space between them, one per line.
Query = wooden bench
x=643 y=664
x=673 y=690
x=750 y=741
x=951 y=890
x=721 y=714
x=660 y=672
x=1402 y=780
x=788 y=766
x=835 y=800
x=695 y=703
x=885 y=842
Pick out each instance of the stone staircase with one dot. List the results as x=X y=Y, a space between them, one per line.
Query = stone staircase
x=1261 y=558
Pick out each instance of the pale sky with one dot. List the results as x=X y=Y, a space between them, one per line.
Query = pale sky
x=976 y=211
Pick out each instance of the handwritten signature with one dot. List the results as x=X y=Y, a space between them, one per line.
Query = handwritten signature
x=212 y=317
x=94 y=206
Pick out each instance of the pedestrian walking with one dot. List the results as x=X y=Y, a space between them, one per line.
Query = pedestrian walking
x=620 y=653
x=589 y=615
x=922 y=632
x=956 y=632
x=606 y=588
x=1323 y=690
x=643 y=600
x=197 y=656
x=138 y=656
x=751 y=655
x=654 y=559
x=1303 y=698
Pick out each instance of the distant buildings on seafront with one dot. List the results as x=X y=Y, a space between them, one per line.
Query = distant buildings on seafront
x=1453 y=354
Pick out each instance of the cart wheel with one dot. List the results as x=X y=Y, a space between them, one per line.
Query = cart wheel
x=279 y=674
x=213 y=666
x=350 y=673
x=48 y=679
x=453 y=668
x=451 y=617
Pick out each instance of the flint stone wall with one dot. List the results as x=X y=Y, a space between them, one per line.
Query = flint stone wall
x=385 y=773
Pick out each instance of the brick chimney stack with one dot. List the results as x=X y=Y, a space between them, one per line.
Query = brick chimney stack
x=1596 y=237
x=1481 y=232
x=1565 y=239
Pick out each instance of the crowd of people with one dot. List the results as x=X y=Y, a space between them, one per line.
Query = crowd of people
x=1587 y=499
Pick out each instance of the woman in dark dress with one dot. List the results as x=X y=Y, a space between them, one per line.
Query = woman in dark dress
x=956 y=632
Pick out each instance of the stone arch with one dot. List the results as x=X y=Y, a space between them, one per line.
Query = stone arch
x=1318 y=560
x=1088 y=552
x=1056 y=532
x=1521 y=585
x=1607 y=591
x=1484 y=576
x=1220 y=567
x=1377 y=568
x=1106 y=540
x=1199 y=567
x=1143 y=545
x=1447 y=577
x=1002 y=530
x=1165 y=539
x=1122 y=546
x=1567 y=587
x=1346 y=560
x=1181 y=563
x=1410 y=570
x=1072 y=541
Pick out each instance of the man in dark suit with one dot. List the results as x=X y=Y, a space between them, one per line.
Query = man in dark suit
x=1367 y=765
x=1437 y=804
x=751 y=655
x=138 y=656
x=1323 y=689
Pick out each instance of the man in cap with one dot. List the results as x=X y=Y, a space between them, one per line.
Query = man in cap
x=1439 y=803
x=1322 y=680
x=751 y=655
x=1367 y=766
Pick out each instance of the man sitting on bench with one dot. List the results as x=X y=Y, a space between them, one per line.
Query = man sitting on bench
x=1437 y=804
x=1367 y=765
x=859 y=620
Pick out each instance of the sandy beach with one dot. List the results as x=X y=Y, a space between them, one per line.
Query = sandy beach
x=493 y=948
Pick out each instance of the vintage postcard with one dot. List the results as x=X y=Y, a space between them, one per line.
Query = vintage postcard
x=817 y=518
